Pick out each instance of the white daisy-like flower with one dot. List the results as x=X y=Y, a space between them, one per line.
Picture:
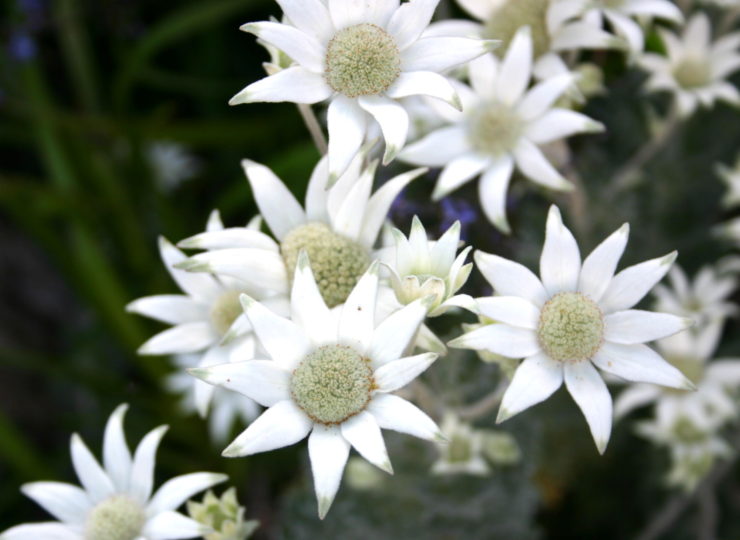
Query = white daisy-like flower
x=620 y=13
x=695 y=69
x=363 y=56
x=502 y=128
x=575 y=317
x=329 y=377
x=422 y=268
x=730 y=176
x=115 y=501
x=226 y=409
x=706 y=299
x=463 y=453
x=205 y=314
x=338 y=229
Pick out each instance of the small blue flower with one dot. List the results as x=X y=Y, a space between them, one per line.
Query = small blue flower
x=453 y=210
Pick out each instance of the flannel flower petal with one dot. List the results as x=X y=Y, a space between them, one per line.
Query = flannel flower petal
x=116 y=501
x=205 y=313
x=422 y=268
x=362 y=57
x=329 y=378
x=574 y=318
x=502 y=128
x=695 y=69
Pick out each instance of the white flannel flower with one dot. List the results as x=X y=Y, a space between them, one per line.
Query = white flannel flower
x=115 y=501
x=205 y=314
x=329 y=377
x=620 y=13
x=226 y=408
x=502 y=128
x=463 y=453
x=422 y=268
x=706 y=299
x=577 y=317
x=695 y=69
x=363 y=56
x=338 y=230
x=730 y=176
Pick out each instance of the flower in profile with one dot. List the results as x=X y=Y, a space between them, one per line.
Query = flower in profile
x=364 y=57
x=620 y=13
x=730 y=176
x=695 y=68
x=576 y=316
x=206 y=312
x=116 y=501
x=423 y=269
x=463 y=451
x=224 y=515
x=502 y=128
x=338 y=229
x=330 y=377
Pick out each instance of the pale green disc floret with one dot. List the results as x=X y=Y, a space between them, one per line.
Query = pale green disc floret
x=514 y=14
x=495 y=129
x=693 y=72
x=116 y=518
x=362 y=60
x=571 y=327
x=337 y=262
x=332 y=384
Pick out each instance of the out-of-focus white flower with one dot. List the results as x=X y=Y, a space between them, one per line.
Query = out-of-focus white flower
x=224 y=515
x=695 y=69
x=115 y=501
x=363 y=476
x=172 y=164
x=338 y=229
x=705 y=300
x=462 y=453
x=226 y=410
x=502 y=127
x=422 y=268
x=500 y=447
x=329 y=378
x=620 y=13
x=203 y=316
x=575 y=317
x=730 y=176
x=363 y=57
x=728 y=4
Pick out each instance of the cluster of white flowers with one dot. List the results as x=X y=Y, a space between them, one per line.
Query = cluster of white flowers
x=320 y=320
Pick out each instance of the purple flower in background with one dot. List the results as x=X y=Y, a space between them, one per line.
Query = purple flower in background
x=22 y=46
x=404 y=209
x=453 y=210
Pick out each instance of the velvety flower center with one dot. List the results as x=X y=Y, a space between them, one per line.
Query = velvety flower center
x=116 y=518
x=693 y=72
x=571 y=327
x=225 y=311
x=514 y=14
x=362 y=60
x=337 y=262
x=460 y=449
x=332 y=384
x=495 y=129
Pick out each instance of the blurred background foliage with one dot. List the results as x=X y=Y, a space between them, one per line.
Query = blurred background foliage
x=93 y=94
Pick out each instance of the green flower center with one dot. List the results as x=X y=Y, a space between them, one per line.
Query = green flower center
x=691 y=367
x=571 y=327
x=116 y=518
x=332 y=384
x=686 y=432
x=514 y=14
x=336 y=261
x=693 y=72
x=459 y=449
x=362 y=60
x=495 y=129
x=225 y=311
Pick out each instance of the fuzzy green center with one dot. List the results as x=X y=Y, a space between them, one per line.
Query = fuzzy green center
x=362 y=60
x=514 y=14
x=337 y=262
x=571 y=327
x=116 y=518
x=225 y=311
x=495 y=129
x=332 y=384
x=691 y=367
x=693 y=72
x=459 y=449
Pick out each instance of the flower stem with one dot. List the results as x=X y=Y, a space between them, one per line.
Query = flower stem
x=486 y=404
x=314 y=128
